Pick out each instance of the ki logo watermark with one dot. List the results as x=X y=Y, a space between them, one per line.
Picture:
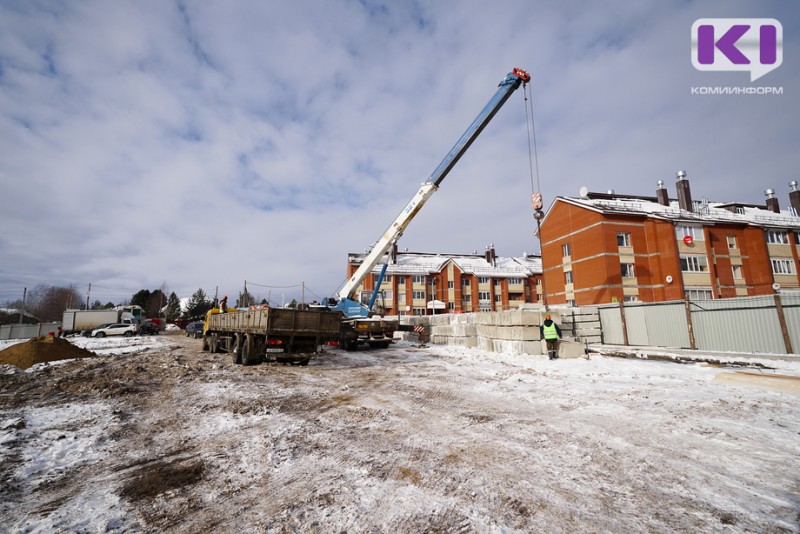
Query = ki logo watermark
x=754 y=45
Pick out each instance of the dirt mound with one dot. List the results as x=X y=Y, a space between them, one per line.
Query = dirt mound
x=42 y=349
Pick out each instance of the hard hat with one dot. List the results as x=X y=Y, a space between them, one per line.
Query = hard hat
x=547 y=316
x=225 y=297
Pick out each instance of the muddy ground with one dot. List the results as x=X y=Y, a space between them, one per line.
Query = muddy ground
x=407 y=439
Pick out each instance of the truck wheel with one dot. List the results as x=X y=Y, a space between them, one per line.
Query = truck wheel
x=247 y=350
x=237 y=349
x=205 y=343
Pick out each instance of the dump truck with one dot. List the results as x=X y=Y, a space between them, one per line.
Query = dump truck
x=264 y=333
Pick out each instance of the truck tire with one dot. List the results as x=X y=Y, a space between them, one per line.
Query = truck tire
x=205 y=344
x=236 y=350
x=247 y=349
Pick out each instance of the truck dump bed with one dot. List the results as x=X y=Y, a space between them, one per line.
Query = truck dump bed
x=278 y=322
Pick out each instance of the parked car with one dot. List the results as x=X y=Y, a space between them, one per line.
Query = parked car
x=118 y=329
x=87 y=332
x=148 y=328
x=194 y=329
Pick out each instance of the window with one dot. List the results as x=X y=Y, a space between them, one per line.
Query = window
x=782 y=266
x=484 y=296
x=627 y=270
x=571 y=303
x=466 y=298
x=465 y=282
x=777 y=237
x=797 y=238
x=451 y=306
x=623 y=239
x=418 y=295
x=418 y=311
x=732 y=242
x=568 y=277
x=418 y=279
x=630 y=298
x=498 y=299
x=682 y=230
x=401 y=280
x=737 y=272
x=498 y=282
x=387 y=295
x=483 y=279
x=387 y=279
x=401 y=297
x=451 y=284
x=515 y=281
x=565 y=250
x=694 y=264
x=539 y=282
x=699 y=294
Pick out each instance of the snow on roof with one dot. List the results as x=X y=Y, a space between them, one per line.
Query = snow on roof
x=410 y=263
x=704 y=211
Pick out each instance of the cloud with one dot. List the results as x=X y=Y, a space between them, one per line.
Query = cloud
x=205 y=144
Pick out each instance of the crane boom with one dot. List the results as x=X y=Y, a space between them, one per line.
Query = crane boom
x=510 y=83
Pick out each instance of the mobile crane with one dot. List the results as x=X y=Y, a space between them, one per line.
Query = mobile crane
x=360 y=323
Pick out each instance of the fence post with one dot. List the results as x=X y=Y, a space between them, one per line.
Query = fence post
x=787 y=341
x=624 y=324
x=692 y=343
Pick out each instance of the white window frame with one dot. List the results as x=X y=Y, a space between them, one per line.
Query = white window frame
x=694 y=263
x=483 y=280
x=682 y=230
x=568 y=277
x=737 y=272
x=732 y=245
x=418 y=295
x=624 y=239
x=566 y=250
x=451 y=284
x=699 y=294
x=783 y=266
x=777 y=237
x=484 y=296
x=628 y=270
x=418 y=279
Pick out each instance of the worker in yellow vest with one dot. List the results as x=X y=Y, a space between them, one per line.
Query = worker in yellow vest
x=551 y=334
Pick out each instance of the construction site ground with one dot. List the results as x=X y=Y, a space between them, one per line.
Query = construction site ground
x=155 y=435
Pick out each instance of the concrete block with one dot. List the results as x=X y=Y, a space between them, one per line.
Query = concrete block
x=567 y=349
x=463 y=341
x=517 y=333
x=504 y=346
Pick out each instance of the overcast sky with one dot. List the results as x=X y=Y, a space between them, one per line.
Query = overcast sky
x=201 y=144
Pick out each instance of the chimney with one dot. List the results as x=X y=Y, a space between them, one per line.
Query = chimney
x=772 y=202
x=494 y=256
x=488 y=255
x=794 y=198
x=684 y=193
x=661 y=194
x=394 y=253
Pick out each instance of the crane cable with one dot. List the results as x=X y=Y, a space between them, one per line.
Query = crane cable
x=530 y=128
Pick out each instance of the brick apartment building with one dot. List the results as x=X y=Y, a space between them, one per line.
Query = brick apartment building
x=423 y=284
x=607 y=247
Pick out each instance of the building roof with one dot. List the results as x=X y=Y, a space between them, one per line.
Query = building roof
x=704 y=212
x=411 y=263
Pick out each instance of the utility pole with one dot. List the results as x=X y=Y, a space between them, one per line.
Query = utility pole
x=303 y=293
x=22 y=311
x=88 y=292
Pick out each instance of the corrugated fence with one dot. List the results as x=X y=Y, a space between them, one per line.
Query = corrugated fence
x=26 y=331
x=746 y=324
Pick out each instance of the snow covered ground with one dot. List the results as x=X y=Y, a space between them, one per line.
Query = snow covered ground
x=161 y=436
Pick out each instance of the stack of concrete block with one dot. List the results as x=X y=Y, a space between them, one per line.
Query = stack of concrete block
x=510 y=332
x=581 y=324
x=460 y=330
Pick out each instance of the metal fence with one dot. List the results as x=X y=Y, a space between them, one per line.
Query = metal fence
x=769 y=324
x=26 y=331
